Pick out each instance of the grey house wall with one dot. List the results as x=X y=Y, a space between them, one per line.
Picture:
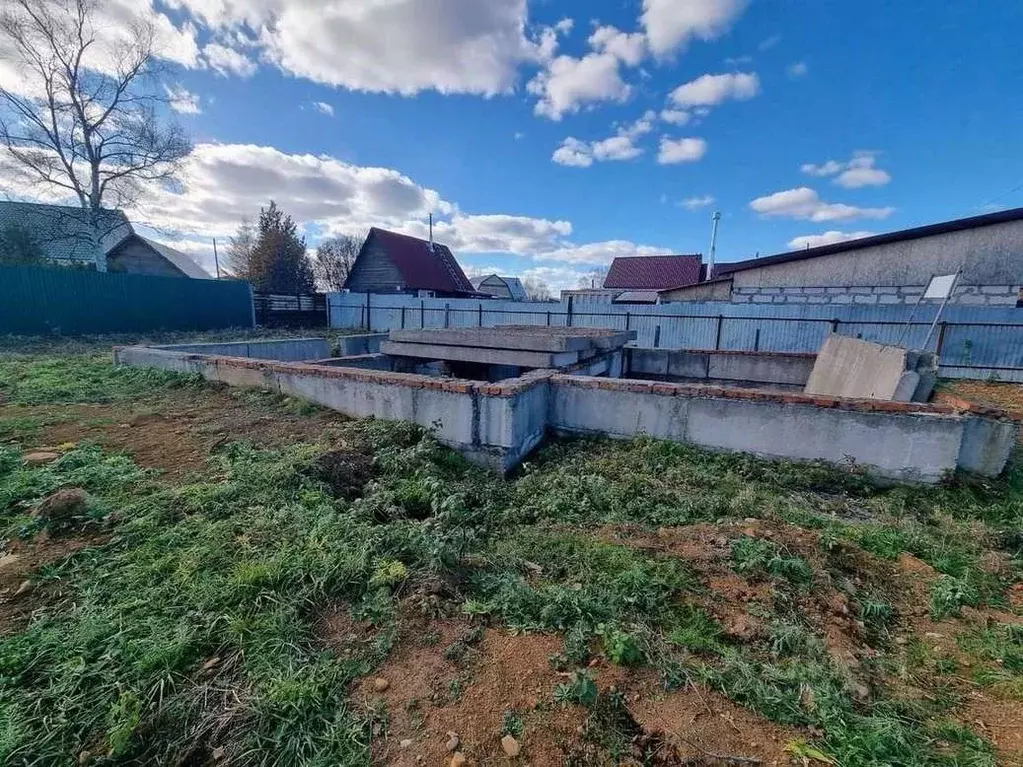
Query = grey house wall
x=135 y=257
x=893 y=273
x=375 y=272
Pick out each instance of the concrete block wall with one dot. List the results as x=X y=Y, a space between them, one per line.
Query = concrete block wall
x=739 y=367
x=965 y=295
x=284 y=350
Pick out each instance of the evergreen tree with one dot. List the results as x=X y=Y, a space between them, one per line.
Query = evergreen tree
x=19 y=246
x=278 y=262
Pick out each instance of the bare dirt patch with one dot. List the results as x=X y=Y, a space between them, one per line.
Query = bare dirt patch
x=177 y=433
x=696 y=721
x=1007 y=396
x=20 y=561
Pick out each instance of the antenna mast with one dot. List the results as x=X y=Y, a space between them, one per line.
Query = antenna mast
x=713 y=244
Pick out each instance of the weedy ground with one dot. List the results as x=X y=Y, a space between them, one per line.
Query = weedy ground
x=255 y=581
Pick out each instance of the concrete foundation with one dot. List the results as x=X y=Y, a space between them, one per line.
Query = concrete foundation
x=497 y=424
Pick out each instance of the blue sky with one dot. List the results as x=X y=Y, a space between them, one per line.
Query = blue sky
x=548 y=137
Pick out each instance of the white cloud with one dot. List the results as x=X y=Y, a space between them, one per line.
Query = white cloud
x=829 y=168
x=769 y=43
x=804 y=203
x=568 y=83
x=858 y=172
x=621 y=147
x=734 y=61
x=397 y=46
x=695 y=203
x=599 y=253
x=630 y=49
x=797 y=70
x=323 y=107
x=617 y=148
x=710 y=90
x=675 y=151
x=671 y=24
x=228 y=61
x=182 y=100
x=831 y=237
x=573 y=153
x=675 y=116
x=519 y=135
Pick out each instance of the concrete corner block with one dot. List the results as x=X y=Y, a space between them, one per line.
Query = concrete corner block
x=986 y=445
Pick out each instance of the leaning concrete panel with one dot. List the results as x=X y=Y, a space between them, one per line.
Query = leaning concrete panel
x=850 y=367
x=912 y=447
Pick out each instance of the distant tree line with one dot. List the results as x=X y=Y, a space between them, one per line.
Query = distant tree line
x=274 y=258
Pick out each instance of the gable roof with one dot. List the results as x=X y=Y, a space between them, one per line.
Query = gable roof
x=653 y=272
x=930 y=230
x=421 y=267
x=179 y=260
x=516 y=289
x=63 y=232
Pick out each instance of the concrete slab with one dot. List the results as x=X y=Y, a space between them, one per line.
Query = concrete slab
x=522 y=359
x=851 y=367
x=523 y=337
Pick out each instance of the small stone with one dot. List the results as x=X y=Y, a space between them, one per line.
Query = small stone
x=453 y=742
x=40 y=458
x=212 y=662
x=458 y=760
x=218 y=753
x=9 y=560
x=63 y=506
x=406 y=743
x=380 y=684
x=24 y=588
x=860 y=692
x=901 y=641
x=84 y=757
x=510 y=746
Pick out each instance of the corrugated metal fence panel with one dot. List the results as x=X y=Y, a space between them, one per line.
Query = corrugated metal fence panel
x=36 y=300
x=971 y=337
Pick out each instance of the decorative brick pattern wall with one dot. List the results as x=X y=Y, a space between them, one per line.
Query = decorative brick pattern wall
x=966 y=295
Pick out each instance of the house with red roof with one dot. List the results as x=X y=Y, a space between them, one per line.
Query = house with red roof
x=640 y=279
x=397 y=263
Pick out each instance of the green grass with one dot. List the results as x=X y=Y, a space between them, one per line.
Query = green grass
x=190 y=623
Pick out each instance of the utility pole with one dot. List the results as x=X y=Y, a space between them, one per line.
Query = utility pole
x=216 y=258
x=713 y=244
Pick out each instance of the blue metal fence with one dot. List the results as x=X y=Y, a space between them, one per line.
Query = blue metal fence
x=46 y=300
x=972 y=342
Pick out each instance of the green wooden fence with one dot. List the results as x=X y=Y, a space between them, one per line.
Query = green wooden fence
x=41 y=300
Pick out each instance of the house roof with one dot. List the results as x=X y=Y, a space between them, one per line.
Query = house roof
x=515 y=287
x=653 y=272
x=181 y=261
x=930 y=230
x=63 y=232
x=636 y=297
x=421 y=267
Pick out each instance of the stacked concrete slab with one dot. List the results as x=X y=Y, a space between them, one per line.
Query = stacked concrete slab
x=851 y=367
x=515 y=348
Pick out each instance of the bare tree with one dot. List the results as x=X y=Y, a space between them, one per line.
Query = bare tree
x=334 y=260
x=594 y=279
x=84 y=119
x=537 y=289
x=238 y=259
